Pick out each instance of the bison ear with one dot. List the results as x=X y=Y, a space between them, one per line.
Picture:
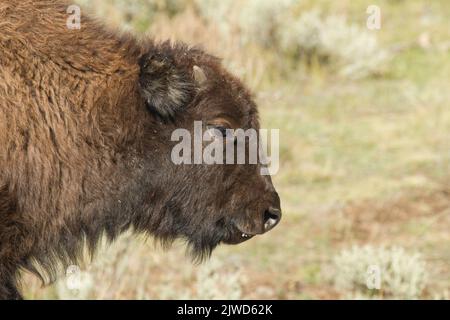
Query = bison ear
x=165 y=86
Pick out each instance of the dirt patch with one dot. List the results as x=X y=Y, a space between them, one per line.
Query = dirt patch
x=369 y=220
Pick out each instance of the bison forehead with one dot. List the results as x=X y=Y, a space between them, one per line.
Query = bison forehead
x=226 y=97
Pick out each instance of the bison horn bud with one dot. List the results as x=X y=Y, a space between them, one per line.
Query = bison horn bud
x=199 y=76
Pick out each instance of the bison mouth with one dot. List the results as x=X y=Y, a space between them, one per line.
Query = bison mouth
x=237 y=231
x=237 y=236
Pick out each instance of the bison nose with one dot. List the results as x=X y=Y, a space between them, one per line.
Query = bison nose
x=271 y=218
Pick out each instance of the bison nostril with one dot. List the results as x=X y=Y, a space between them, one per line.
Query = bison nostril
x=271 y=218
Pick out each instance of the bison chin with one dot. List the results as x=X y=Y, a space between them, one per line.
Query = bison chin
x=202 y=240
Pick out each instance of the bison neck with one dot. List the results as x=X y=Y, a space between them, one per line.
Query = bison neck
x=72 y=132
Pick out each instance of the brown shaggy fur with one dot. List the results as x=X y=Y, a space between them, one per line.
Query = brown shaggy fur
x=85 y=123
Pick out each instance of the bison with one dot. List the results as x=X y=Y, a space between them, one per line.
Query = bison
x=86 y=117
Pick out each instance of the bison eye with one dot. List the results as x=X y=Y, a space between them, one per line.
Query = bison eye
x=222 y=130
x=225 y=132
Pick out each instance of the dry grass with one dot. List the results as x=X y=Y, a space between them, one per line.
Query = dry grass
x=363 y=162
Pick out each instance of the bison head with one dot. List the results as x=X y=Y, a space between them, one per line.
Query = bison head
x=205 y=204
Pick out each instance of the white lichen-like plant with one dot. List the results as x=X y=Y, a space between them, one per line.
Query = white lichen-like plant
x=401 y=275
x=216 y=281
x=115 y=271
x=246 y=17
x=254 y=12
x=347 y=49
x=352 y=50
x=133 y=14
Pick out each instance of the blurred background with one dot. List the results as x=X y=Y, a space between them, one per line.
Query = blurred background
x=364 y=121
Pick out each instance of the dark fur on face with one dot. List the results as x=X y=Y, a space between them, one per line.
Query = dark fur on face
x=86 y=118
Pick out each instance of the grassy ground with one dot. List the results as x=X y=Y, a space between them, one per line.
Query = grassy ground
x=363 y=162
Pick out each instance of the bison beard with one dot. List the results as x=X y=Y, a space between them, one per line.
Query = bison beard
x=86 y=118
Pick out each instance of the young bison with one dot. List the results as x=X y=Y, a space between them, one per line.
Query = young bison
x=86 y=118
